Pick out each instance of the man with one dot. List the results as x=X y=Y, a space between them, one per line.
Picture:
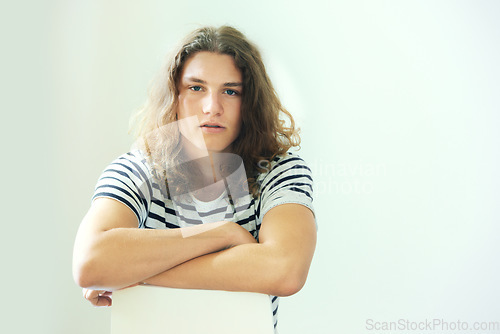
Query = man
x=193 y=233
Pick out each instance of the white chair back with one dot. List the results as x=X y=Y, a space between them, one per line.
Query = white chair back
x=155 y=310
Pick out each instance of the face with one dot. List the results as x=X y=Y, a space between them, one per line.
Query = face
x=211 y=87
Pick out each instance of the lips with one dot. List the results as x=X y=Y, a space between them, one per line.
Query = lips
x=212 y=128
x=211 y=125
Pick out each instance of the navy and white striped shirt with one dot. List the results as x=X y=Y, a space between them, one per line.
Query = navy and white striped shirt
x=129 y=180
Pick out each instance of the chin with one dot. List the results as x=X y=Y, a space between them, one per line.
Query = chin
x=218 y=148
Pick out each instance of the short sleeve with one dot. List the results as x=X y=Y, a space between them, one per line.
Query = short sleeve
x=288 y=181
x=127 y=180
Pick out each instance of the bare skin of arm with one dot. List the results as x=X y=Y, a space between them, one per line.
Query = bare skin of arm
x=111 y=253
x=277 y=265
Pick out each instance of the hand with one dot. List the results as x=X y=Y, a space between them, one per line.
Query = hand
x=98 y=297
x=240 y=235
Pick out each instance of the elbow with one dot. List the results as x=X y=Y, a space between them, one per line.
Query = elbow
x=289 y=281
x=81 y=276
x=289 y=274
x=84 y=274
x=289 y=286
x=83 y=280
x=90 y=267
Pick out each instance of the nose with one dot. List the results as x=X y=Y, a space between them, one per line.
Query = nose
x=212 y=104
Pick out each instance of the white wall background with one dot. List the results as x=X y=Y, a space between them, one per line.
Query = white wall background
x=398 y=104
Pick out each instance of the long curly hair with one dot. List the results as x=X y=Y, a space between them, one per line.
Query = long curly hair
x=267 y=128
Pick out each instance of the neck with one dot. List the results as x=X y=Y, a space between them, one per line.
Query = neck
x=209 y=167
x=208 y=162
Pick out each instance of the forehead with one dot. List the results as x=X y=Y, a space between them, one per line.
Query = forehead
x=211 y=67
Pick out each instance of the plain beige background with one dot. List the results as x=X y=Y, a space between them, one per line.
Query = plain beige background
x=398 y=104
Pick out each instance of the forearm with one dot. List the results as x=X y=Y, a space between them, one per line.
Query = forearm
x=277 y=265
x=120 y=257
x=262 y=268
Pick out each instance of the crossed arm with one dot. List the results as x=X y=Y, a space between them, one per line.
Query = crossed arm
x=112 y=253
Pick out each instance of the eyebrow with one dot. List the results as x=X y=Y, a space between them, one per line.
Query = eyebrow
x=226 y=84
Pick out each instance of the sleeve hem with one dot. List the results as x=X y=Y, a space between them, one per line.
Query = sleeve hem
x=118 y=200
x=307 y=205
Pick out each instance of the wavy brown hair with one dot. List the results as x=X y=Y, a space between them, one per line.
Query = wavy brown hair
x=267 y=128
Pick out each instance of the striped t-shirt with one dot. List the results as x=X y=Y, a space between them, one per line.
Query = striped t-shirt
x=129 y=180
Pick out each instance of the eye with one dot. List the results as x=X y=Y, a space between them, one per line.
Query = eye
x=231 y=92
x=195 y=88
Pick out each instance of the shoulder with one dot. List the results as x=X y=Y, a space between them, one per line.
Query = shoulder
x=287 y=179
x=127 y=179
x=129 y=172
x=286 y=165
x=132 y=164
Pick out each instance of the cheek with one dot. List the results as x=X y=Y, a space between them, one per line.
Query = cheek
x=236 y=113
x=239 y=118
x=185 y=107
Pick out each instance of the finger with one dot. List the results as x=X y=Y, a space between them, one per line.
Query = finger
x=98 y=297
x=90 y=294
x=103 y=301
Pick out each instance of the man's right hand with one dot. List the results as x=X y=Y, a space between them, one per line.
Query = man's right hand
x=97 y=297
